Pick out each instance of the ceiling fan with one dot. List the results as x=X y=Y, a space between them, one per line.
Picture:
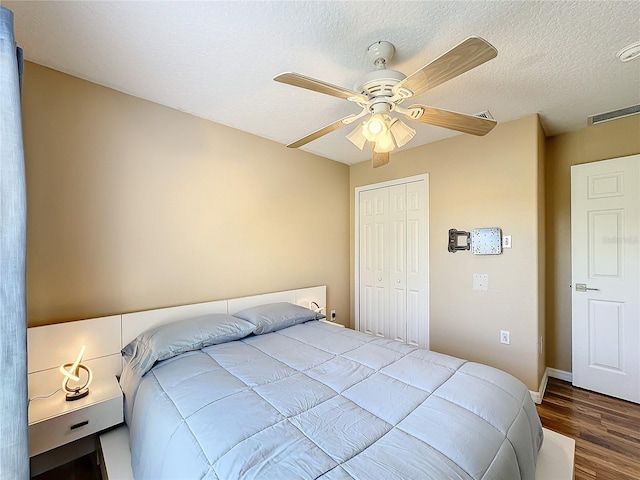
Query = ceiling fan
x=382 y=91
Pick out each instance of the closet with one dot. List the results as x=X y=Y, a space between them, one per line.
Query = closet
x=392 y=257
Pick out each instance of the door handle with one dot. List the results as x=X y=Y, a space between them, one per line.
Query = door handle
x=582 y=287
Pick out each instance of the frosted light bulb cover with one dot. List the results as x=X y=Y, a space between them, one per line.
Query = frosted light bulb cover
x=401 y=132
x=357 y=137
x=384 y=143
x=374 y=127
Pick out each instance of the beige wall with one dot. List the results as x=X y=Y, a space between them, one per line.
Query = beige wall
x=132 y=206
x=612 y=139
x=542 y=251
x=493 y=181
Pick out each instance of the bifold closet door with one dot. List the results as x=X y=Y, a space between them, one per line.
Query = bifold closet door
x=374 y=262
x=397 y=253
x=408 y=292
x=393 y=249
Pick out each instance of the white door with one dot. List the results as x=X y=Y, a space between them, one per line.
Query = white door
x=605 y=256
x=392 y=260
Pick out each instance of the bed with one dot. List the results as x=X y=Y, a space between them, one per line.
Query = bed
x=275 y=392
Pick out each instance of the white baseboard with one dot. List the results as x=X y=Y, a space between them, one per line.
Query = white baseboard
x=539 y=395
x=560 y=374
x=553 y=373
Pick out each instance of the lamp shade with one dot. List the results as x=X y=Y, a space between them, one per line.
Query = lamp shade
x=357 y=137
x=401 y=132
x=384 y=143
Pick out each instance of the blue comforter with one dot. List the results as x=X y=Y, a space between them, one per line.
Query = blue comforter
x=318 y=401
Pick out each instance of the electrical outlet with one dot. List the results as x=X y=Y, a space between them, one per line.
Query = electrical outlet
x=333 y=315
x=505 y=337
x=506 y=241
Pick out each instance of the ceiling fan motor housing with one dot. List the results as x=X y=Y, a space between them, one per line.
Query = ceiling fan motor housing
x=379 y=83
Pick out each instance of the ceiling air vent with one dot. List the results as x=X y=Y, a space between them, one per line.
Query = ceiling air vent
x=605 y=117
x=486 y=114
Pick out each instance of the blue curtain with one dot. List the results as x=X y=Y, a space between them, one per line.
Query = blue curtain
x=14 y=448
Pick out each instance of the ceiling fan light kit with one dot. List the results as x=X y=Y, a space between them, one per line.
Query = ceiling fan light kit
x=376 y=130
x=380 y=92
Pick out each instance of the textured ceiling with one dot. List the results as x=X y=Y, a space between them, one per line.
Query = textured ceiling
x=216 y=59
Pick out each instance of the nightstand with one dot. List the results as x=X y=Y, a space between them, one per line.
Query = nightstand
x=54 y=422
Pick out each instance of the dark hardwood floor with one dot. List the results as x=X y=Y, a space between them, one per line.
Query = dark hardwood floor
x=83 y=468
x=606 y=430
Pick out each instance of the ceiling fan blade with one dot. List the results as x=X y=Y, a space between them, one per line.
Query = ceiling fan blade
x=319 y=86
x=379 y=159
x=321 y=132
x=463 y=57
x=460 y=122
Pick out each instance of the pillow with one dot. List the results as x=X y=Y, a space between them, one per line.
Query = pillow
x=171 y=339
x=276 y=316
